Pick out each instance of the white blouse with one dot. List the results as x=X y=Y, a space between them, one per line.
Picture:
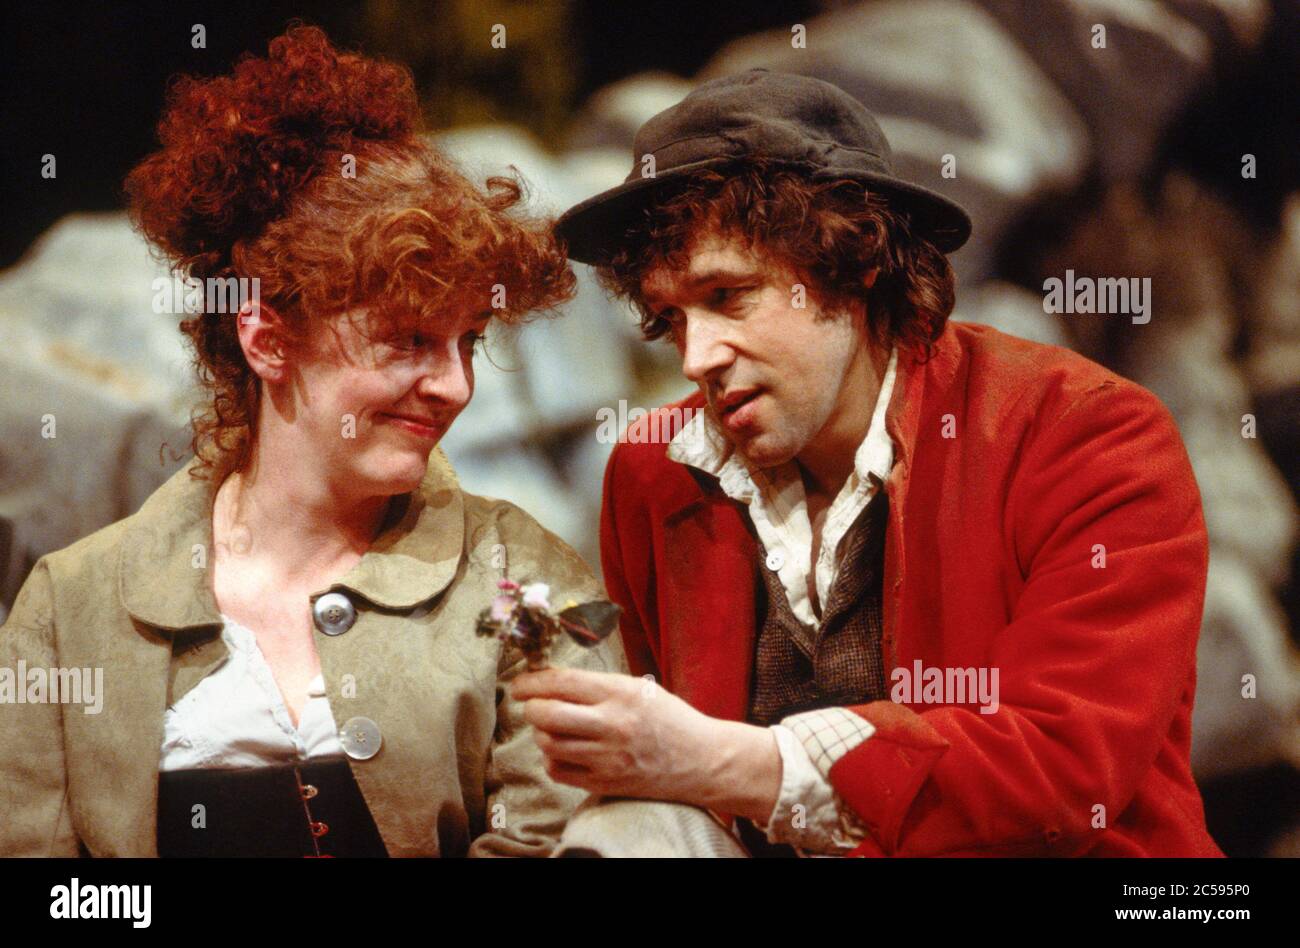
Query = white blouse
x=236 y=716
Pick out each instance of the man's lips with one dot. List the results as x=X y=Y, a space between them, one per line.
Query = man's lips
x=733 y=400
x=737 y=410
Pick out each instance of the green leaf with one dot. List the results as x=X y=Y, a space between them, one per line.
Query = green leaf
x=590 y=622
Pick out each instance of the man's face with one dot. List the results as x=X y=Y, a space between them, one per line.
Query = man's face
x=772 y=371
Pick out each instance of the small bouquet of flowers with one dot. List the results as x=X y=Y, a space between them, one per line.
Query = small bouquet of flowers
x=521 y=616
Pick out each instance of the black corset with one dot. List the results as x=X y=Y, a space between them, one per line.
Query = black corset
x=313 y=808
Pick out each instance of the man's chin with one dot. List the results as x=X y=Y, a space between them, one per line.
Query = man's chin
x=761 y=451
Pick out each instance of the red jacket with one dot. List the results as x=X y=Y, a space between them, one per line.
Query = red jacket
x=1013 y=462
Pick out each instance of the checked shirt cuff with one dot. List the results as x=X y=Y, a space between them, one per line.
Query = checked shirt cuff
x=809 y=814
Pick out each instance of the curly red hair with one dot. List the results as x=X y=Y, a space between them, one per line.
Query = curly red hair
x=830 y=234
x=251 y=182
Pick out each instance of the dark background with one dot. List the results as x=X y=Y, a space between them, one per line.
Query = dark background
x=86 y=82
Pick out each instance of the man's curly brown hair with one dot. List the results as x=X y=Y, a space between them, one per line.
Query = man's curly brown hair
x=252 y=181
x=830 y=234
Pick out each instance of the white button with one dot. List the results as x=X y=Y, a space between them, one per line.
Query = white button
x=360 y=738
x=334 y=613
x=775 y=560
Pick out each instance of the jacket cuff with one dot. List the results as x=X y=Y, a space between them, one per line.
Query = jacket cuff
x=881 y=778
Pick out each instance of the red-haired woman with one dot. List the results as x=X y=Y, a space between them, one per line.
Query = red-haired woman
x=281 y=641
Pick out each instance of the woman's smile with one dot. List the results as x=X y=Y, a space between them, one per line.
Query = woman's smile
x=420 y=428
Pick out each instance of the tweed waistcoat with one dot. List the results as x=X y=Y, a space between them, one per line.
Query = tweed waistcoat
x=798 y=667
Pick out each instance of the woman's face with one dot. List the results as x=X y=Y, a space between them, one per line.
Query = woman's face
x=375 y=406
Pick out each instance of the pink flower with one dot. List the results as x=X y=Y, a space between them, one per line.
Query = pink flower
x=507 y=584
x=502 y=607
x=537 y=596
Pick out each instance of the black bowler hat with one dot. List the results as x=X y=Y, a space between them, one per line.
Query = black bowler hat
x=795 y=120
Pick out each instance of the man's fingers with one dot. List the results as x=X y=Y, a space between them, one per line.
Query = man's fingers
x=561 y=717
x=575 y=685
x=573 y=750
x=571 y=774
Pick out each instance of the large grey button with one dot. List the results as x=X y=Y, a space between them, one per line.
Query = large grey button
x=360 y=738
x=334 y=613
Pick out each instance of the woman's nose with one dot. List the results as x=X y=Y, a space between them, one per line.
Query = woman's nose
x=448 y=376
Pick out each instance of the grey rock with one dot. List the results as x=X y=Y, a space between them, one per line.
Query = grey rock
x=106 y=455
x=1242 y=634
x=1156 y=55
x=1275 y=330
x=1011 y=309
x=610 y=118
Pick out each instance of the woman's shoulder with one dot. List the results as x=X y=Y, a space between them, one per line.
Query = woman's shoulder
x=493 y=527
x=94 y=555
x=507 y=537
x=504 y=540
x=87 y=566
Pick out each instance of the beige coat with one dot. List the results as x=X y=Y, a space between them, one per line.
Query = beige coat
x=458 y=771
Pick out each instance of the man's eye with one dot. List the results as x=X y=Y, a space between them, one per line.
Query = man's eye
x=729 y=294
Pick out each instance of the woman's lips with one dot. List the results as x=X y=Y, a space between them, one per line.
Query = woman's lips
x=415 y=427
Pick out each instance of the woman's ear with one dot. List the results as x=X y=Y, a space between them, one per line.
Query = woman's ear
x=262 y=337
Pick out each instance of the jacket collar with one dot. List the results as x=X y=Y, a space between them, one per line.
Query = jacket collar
x=923 y=392
x=164 y=570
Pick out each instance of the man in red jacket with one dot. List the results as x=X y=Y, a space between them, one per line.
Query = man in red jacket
x=911 y=587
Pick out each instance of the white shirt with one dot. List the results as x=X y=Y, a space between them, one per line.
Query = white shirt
x=808 y=813
x=778 y=505
x=236 y=716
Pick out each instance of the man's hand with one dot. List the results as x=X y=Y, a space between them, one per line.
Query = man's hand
x=621 y=736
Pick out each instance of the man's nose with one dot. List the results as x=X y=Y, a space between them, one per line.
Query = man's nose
x=703 y=350
x=447 y=376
